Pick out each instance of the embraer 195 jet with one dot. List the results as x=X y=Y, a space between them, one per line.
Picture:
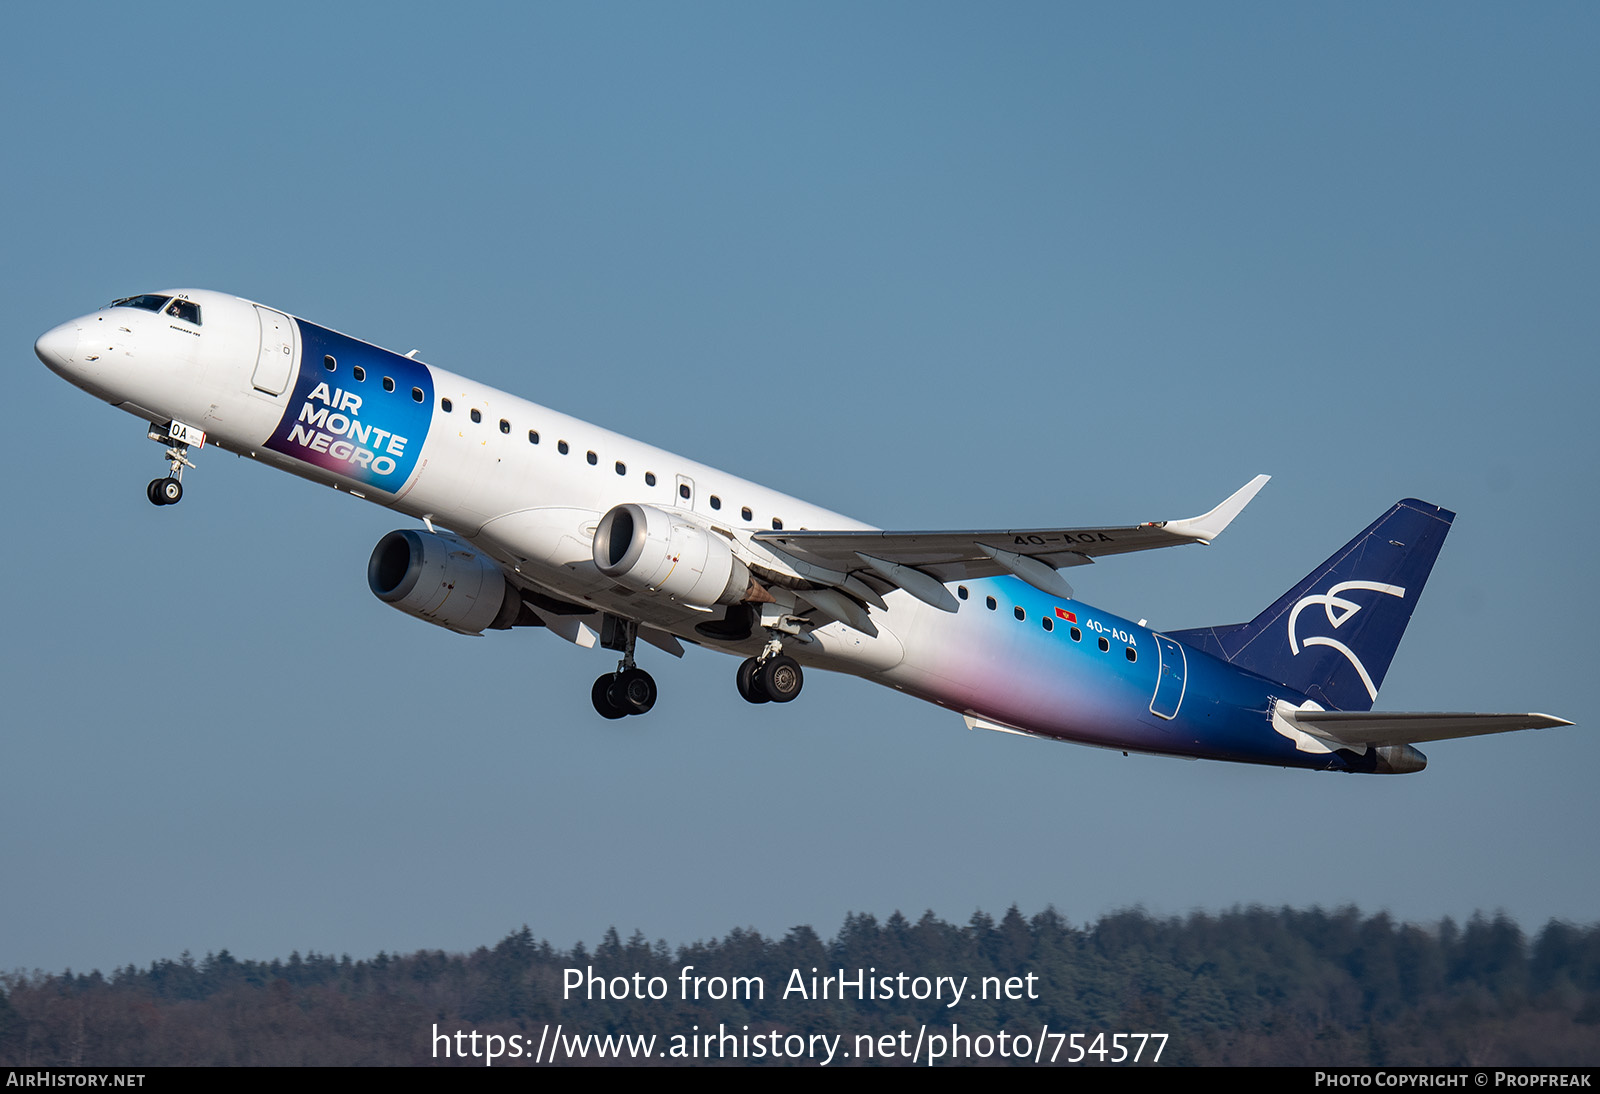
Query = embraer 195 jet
x=535 y=519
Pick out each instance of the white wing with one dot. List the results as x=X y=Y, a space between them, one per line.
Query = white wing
x=867 y=564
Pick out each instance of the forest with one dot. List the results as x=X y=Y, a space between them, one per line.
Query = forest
x=1252 y=986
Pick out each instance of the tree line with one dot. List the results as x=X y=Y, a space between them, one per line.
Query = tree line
x=1248 y=986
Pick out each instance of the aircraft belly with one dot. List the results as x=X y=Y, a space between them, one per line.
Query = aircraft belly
x=844 y=649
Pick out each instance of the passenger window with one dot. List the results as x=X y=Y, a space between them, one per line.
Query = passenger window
x=622 y=468
x=1049 y=624
x=961 y=591
x=1077 y=635
x=477 y=415
x=716 y=502
x=388 y=383
x=777 y=525
x=329 y=363
x=1105 y=646
x=683 y=491
x=533 y=436
x=187 y=310
x=1019 y=613
x=746 y=514
x=988 y=602
x=649 y=478
x=359 y=373
x=416 y=395
x=444 y=405
x=505 y=426
x=561 y=447
x=593 y=459
x=1133 y=654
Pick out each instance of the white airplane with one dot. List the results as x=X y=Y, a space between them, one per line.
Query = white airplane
x=534 y=518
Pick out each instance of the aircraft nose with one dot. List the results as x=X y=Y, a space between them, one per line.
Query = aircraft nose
x=58 y=346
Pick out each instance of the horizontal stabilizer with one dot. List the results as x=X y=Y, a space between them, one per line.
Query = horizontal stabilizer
x=1361 y=727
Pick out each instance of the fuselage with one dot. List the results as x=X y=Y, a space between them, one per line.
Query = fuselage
x=527 y=485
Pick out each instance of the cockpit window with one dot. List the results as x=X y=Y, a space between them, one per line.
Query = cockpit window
x=149 y=302
x=186 y=310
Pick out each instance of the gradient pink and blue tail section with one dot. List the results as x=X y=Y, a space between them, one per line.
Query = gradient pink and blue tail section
x=1333 y=636
x=357 y=411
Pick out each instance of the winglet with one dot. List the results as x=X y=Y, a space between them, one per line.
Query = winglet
x=1208 y=526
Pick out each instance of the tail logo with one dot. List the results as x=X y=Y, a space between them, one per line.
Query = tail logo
x=1339 y=611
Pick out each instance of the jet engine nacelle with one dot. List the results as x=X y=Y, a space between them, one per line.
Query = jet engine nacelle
x=662 y=551
x=440 y=579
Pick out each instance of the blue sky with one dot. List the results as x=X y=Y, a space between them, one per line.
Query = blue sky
x=929 y=265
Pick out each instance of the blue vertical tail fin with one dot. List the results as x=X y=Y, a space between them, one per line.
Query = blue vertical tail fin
x=1333 y=636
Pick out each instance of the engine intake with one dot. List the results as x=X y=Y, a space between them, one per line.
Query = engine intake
x=442 y=580
x=662 y=551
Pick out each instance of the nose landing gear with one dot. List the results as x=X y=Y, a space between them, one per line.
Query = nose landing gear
x=177 y=437
x=164 y=491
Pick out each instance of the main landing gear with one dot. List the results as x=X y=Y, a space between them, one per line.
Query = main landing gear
x=773 y=677
x=629 y=690
x=177 y=437
x=624 y=692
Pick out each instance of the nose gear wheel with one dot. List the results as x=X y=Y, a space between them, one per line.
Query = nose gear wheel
x=164 y=491
x=169 y=491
